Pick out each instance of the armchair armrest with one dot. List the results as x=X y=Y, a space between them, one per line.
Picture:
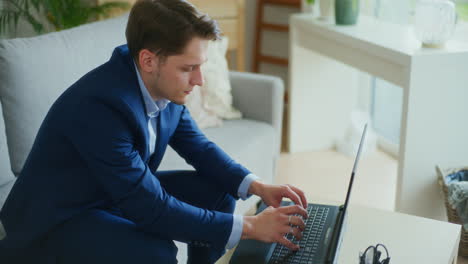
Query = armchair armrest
x=259 y=97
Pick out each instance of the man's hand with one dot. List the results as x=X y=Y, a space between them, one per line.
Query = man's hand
x=273 y=194
x=273 y=224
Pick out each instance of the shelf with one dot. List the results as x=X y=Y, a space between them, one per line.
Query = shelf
x=292 y=3
x=261 y=26
x=275 y=27
x=273 y=60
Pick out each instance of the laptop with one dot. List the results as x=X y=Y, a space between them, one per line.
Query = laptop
x=321 y=238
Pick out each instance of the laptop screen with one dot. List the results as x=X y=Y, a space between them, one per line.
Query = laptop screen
x=356 y=161
x=345 y=207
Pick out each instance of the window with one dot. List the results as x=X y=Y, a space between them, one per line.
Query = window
x=386 y=109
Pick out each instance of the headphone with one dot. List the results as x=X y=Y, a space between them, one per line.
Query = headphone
x=376 y=256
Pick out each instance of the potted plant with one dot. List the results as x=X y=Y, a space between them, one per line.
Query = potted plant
x=346 y=12
x=61 y=14
x=307 y=6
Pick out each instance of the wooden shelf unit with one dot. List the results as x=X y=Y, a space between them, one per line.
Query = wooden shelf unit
x=260 y=26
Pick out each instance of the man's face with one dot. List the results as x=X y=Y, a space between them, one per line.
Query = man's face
x=174 y=77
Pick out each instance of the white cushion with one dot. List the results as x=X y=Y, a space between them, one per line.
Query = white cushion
x=35 y=71
x=202 y=116
x=212 y=102
x=216 y=91
x=6 y=174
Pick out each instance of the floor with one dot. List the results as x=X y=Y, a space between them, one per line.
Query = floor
x=324 y=176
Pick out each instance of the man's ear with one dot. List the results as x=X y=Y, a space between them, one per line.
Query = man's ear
x=148 y=61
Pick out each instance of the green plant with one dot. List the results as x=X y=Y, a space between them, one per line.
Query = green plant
x=61 y=14
x=462 y=9
x=311 y=2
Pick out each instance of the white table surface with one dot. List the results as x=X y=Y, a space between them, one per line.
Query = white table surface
x=409 y=239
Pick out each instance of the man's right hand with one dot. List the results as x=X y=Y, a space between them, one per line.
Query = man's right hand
x=272 y=225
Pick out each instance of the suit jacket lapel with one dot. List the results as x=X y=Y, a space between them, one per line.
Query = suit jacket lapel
x=162 y=139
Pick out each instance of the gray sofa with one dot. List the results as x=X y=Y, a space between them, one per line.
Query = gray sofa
x=35 y=71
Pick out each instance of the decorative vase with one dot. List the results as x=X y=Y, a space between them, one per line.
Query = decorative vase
x=308 y=6
x=326 y=9
x=434 y=22
x=346 y=12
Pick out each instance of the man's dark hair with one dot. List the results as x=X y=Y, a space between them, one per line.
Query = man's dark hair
x=166 y=26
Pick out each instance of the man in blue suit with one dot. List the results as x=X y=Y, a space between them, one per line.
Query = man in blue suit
x=90 y=190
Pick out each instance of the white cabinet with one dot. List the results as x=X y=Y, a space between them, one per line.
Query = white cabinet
x=434 y=130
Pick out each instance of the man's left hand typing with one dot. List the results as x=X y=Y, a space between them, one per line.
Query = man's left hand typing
x=273 y=194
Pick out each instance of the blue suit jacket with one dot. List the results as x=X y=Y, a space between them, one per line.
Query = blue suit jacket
x=92 y=151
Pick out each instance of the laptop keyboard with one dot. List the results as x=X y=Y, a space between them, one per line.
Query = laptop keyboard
x=309 y=243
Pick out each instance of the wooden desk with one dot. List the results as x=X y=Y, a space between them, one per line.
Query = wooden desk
x=409 y=239
x=324 y=59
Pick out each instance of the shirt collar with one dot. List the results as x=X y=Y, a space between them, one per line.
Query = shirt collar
x=153 y=107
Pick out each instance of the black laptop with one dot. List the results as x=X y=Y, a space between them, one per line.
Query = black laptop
x=321 y=237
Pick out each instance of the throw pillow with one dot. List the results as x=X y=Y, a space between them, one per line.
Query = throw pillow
x=202 y=117
x=216 y=91
x=211 y=102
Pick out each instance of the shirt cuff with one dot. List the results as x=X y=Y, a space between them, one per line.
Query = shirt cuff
x=242 y=192
x=236 y=231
